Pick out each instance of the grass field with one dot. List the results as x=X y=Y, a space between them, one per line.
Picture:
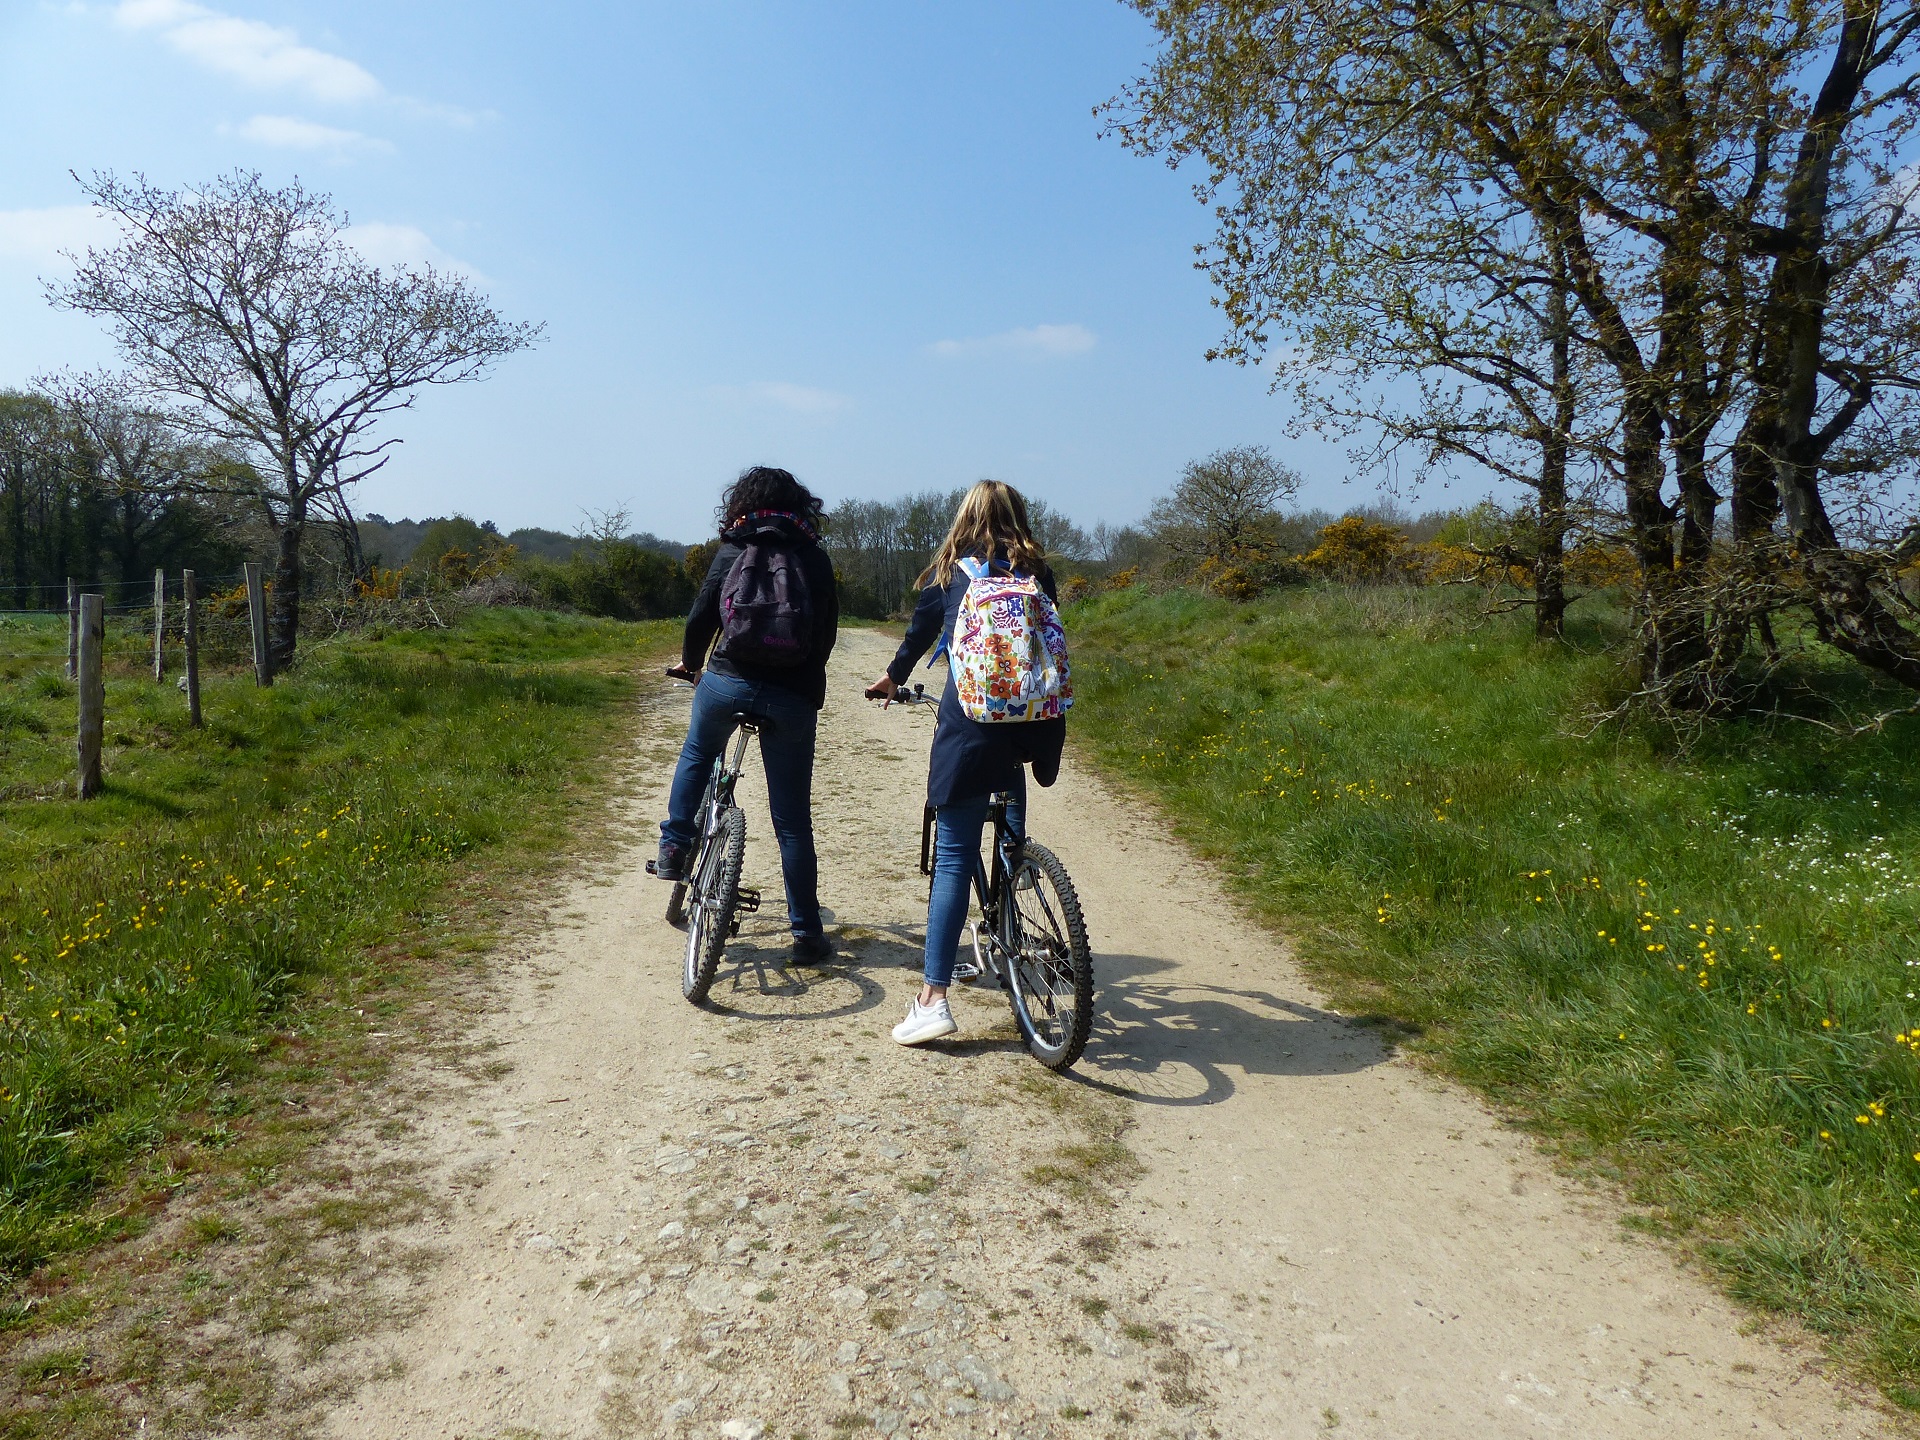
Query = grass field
x=158 y=939
x=1696 y=971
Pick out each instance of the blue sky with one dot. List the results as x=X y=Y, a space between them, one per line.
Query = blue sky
x=881 y=244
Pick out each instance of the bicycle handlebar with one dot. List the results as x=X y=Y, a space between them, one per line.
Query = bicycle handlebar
x=916 y=696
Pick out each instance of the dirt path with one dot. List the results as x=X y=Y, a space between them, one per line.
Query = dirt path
x=772 y=1219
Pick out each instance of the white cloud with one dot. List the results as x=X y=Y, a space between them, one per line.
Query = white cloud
x=38 y=236
x=287 y=132
x=782 y=395
x=1034 y=342
x=386 y=244
x=268 y=57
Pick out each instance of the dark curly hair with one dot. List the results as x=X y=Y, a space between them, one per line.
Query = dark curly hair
x=763 y=487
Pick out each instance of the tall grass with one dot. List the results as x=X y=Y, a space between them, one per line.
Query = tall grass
x=153 y=939
x=1697 y=971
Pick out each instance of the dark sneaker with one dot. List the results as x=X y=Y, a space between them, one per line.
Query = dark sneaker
x=811 y=950
x=672 y=863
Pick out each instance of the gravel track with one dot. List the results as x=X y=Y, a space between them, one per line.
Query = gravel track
x=1242 y=1218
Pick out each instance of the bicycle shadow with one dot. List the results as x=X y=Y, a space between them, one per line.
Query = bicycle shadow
x=1159 y=1040
x=757 y=981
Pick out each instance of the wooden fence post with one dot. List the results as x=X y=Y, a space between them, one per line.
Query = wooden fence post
x=257 y=608
x=190 y=594
x=159 y=626
x=93 y=692
x=73 y=628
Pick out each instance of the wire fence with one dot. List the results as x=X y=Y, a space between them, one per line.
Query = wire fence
x=225 y=627
x=121 y=596
x=225 y=624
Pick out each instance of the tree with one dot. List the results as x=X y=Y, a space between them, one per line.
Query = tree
x=1716 y=192
x=51 y=521
x=139 y=467
x=244 y=312
x=1223 y=507
x=1055 y=533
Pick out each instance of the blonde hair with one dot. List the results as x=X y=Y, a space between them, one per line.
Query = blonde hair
x=991 y=523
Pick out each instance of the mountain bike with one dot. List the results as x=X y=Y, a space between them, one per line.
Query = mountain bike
x=1030 y=937
x=710 y=901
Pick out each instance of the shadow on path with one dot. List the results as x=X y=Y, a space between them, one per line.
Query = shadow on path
x=1160 y=1040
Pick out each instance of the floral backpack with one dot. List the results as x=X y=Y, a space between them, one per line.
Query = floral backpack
x=1009 y=652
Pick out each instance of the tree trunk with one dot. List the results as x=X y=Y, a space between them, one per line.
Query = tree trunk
x=1751 y=518
x=1756 y=499
x=1847 y=610
x=1650 y=528
x=283 y=622
x=1549 y=561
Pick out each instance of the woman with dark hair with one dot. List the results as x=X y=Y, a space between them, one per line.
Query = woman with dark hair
x=771 y=601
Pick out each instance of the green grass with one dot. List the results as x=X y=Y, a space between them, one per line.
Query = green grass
x=154 y=942
x=1696 y=970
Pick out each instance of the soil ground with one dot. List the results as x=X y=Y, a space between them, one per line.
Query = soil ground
x=1239 y=1217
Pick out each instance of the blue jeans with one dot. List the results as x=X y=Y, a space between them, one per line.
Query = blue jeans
x=786 y=753
x=956 y=854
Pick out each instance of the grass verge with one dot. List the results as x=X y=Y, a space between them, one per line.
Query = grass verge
x=159 y=939
x=1697 y=972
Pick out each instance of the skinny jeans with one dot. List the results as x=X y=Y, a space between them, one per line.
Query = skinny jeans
x=956 y=859
x=786 y=754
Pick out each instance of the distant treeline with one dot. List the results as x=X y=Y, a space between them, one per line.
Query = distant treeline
x=394 y=543
x=103 y=493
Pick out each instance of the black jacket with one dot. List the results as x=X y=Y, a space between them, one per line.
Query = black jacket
x=703 y=621
x=970 y=758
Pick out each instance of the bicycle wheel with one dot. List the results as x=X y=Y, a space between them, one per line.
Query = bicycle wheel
x=1049 y=963
x=677 y=901
x=712 y=894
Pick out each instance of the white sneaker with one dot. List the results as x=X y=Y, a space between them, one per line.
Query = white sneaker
x=925 y=1022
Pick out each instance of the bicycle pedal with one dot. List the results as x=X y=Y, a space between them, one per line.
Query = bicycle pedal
x=653 y=867
x=749 y=900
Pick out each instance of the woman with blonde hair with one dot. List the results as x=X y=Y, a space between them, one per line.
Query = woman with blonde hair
x=971 y=760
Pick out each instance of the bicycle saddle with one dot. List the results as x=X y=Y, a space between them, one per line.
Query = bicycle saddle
x=751 y=722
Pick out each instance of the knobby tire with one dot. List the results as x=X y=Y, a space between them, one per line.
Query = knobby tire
x=1049 y=962
x=714 y=894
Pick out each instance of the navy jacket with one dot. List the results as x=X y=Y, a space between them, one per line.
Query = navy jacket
x=703 y=621
x=969 y=758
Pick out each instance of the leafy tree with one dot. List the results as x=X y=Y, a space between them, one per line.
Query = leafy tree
x=454 y=533
x=244 y=312
x=93 y=489
x=1714 y=195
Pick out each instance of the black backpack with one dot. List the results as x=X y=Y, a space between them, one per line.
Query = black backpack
x=766 y=610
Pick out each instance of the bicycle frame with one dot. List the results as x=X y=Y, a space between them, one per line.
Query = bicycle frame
x=726 y=774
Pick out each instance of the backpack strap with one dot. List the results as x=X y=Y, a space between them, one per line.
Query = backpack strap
x=976 y=569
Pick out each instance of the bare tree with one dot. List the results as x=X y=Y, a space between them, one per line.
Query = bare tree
x=1057 y=535
x=1223 y=507
x=245 y=311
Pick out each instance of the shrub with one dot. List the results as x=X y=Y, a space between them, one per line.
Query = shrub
x=1358 y=550
x=613 y=578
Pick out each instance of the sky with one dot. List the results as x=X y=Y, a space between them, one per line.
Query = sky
x=881 y=244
